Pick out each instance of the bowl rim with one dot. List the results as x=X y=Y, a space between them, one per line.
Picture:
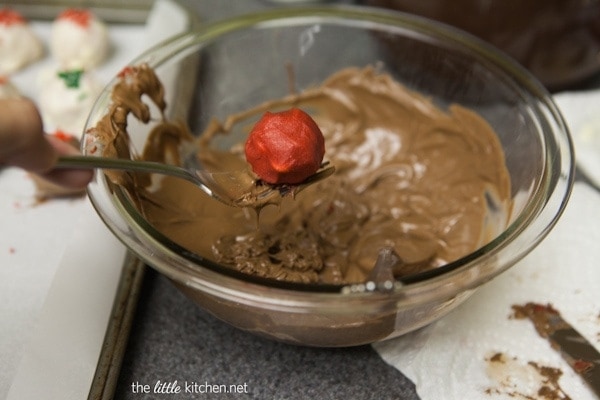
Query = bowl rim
x=535 y=220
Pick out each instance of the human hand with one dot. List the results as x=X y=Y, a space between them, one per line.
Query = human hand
x=23 y=144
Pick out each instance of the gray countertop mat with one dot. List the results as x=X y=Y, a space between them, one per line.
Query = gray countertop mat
x=173 y=339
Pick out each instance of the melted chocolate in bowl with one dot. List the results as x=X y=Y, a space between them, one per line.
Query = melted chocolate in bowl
x=429 y=183
x=466 y=185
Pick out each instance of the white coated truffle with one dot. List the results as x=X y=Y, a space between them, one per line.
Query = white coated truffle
x=78 y=39
x=66 y=99
x=19 y=45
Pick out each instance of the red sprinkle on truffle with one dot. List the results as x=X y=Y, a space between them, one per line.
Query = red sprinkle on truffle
x=126 y=71
x=10 y=17
x=285 y=147
x=78 y=16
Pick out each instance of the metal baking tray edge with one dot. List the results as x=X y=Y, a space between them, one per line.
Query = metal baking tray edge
x=118 y=329
x=112 y=11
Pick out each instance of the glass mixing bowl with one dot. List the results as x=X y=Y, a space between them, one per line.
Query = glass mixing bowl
x=229 y=66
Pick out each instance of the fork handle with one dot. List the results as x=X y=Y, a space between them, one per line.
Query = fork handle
x=93 y=162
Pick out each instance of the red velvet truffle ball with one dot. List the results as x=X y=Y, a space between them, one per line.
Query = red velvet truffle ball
x=285 y=147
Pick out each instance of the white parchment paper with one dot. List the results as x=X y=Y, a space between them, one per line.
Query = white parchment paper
x=452 y=358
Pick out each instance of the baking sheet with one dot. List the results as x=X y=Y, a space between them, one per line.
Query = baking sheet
x=60 y=268
x=34 y=236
